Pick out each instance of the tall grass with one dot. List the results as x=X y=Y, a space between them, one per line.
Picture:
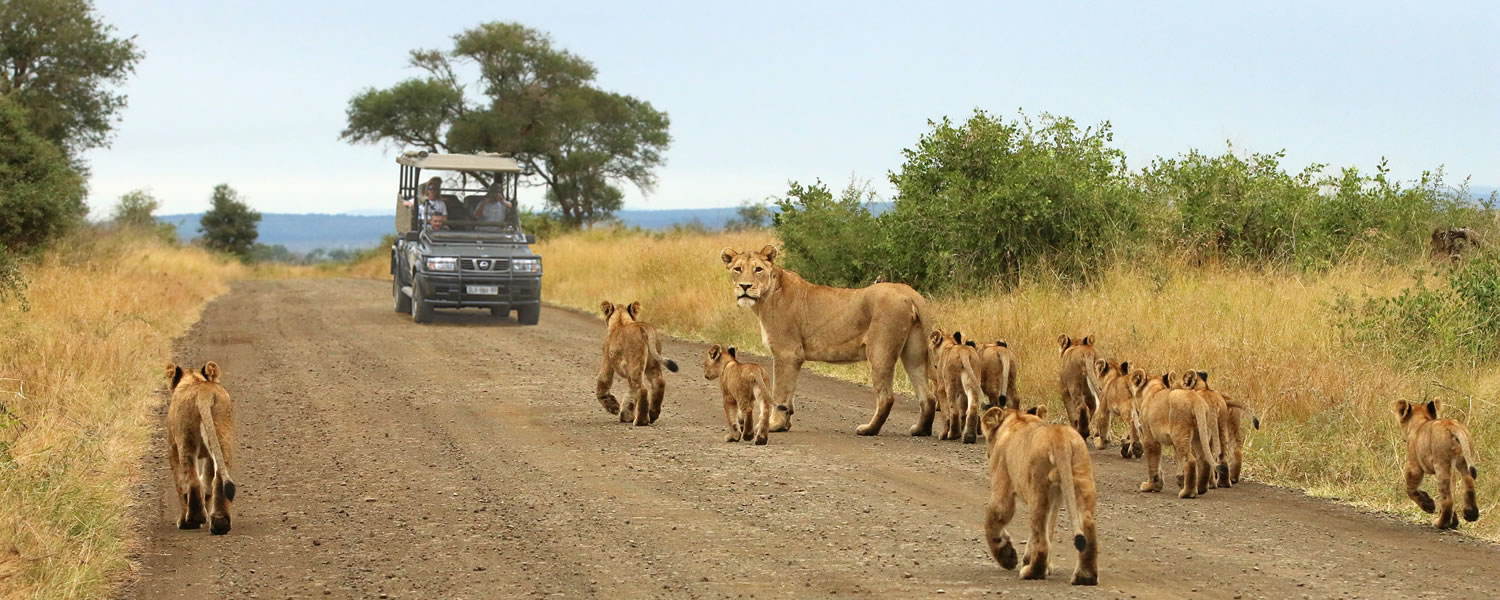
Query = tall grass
x=1269 y=337
x=79 y=374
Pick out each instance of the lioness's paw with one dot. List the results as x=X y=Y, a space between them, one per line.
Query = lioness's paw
x=1146 y=486
x=733 y=437
x=1082 y=579
x=761 y=440
x=866 y=429
x=1471 y=514
x=1006 y=556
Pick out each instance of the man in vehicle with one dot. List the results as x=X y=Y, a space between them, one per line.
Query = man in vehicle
x=493 y=209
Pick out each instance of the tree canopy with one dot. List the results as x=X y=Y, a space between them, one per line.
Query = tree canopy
x=231 y=225
x=41 y=197
x=59 y=63
x=537 y=102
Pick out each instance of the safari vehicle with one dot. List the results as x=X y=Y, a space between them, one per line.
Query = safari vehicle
x=468 y=262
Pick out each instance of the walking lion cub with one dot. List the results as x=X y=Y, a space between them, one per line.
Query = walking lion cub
x=632 y=351
x=747 y=394
x=1046 y=465
x=1437 y=447
x=200 y=446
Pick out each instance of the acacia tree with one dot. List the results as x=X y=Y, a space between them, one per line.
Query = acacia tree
x=538 y=102
x=231 y=225
x=59 y=62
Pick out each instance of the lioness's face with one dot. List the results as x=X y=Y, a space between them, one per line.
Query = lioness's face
x=753 y=274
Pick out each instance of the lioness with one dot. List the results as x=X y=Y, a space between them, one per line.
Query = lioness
x=802 y=321
x=1116 y=400
x=1231 y=437
x=747 y=395
x=632 y=351
x=1046 y=466
x=997 y=374
x=1179 y=418
x=1437 y=447
x=200 y=446
x=1079 y=381
x=955 y=382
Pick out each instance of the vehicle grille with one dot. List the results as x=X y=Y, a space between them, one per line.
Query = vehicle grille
x=487 y=265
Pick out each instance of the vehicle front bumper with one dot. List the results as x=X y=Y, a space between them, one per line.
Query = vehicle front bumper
x=450 y=290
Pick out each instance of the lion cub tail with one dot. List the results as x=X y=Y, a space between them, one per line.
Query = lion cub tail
x=222 y=483
x=1078 y=501
x=653 y=352
x=1249 y=410
x=1462 y=435
x=1204 y=421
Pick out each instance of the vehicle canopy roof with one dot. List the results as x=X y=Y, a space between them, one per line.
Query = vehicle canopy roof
x=479 y=161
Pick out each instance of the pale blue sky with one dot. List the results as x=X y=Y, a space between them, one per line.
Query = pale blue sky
x=253 y=94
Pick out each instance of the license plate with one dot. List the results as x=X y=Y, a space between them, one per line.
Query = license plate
x=483 y=290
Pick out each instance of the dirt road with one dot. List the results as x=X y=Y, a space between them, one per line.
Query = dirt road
x=469 y=459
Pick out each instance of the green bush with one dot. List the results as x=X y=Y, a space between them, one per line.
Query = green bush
x=41 y=196
x=826 y=240
x=981 y=202
x=1428 y=326
x=1250 y=210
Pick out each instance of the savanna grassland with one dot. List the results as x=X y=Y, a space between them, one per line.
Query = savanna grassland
x=1270 y=336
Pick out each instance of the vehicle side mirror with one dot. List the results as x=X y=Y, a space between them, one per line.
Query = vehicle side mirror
x=530 y=239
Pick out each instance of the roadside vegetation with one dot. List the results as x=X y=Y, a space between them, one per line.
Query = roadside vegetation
x=81 y=374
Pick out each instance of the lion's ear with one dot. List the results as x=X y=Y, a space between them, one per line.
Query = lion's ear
x=1088 y=340
x=1039 y=410
x=958 y=338
x=210 y=371
x=935 y=338
x=176 y=374
x=1137 y=381
x=731 y=353
x=769 y=252
x=727 y=255
x=634 y=310
x=1001 y=343
x=1203 y=376
x=607 y=307
x=1064 y=341
x=1432 y=408
x=1101 y=366
x=1188 y=378
x=1166 y=379
x=991 y=420
x=713 y=352
x=1125 y=368
x=971 y=344
x=1402 y=408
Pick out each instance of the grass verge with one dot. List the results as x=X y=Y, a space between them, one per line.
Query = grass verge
x=80 y=375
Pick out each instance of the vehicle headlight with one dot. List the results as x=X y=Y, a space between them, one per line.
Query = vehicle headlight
x=526 y=265
x=442 y=263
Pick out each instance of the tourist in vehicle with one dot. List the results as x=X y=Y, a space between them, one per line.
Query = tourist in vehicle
x=493 y=208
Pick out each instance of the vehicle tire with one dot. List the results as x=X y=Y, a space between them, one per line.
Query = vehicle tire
x=403 y=302
x=421 y=312
x=529 y=314
x=499 y=313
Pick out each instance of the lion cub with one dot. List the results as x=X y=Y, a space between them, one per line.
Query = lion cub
x=953 y=375
x=1178 y=418
x=1045 y=465
x=200 y=446
x=997 y=374
x=1231 y=437
x=1438 y=447
x=747 y=394
x=632 y=351
x=1116 y=400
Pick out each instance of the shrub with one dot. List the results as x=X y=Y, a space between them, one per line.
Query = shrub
x=977 y=203
x=41 y=196
x=826 y=240
x=1423 y=326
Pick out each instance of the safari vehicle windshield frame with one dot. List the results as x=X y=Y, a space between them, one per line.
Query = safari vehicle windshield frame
x=477 y=175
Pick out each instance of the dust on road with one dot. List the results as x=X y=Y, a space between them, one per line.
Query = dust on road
x=469 y=459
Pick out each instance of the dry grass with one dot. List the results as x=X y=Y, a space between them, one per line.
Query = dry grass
x=1264 y=337
x=82 y=372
